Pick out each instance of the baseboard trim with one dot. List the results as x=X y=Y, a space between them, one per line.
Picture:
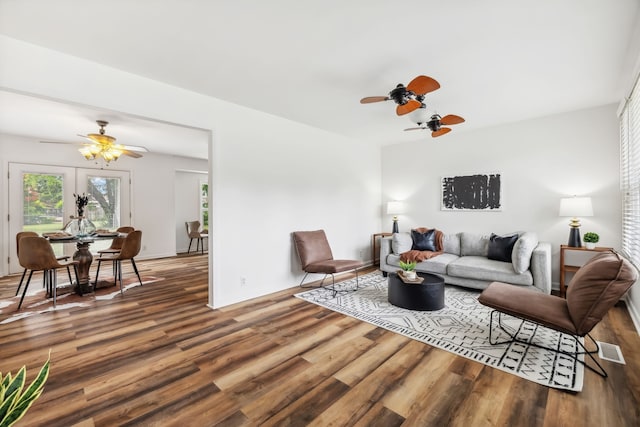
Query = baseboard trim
x=633 y=313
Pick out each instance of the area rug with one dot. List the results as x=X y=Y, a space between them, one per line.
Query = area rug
x=36 y=301
x=461 y=327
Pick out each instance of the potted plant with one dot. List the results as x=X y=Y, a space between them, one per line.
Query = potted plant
x=590 y=240
x=14 y=398
x=408 y=269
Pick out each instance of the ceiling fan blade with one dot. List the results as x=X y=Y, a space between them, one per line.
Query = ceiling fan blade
x=131 y=154
x=418 y=128
x=423 y=84
x=410 y=106
x=451 y=119
x=370 y=99
x=440 y=132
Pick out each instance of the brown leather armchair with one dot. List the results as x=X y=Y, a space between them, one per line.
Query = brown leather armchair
x=595 y=288
x=316 y=257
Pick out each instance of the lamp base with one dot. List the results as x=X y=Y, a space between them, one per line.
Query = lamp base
x=574 y=238
x=395 y=226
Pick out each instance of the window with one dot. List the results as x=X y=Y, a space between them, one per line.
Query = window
x=630 y=175
x=204 y=205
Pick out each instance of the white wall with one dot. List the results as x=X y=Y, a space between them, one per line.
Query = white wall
x=268 y=176
x=152 y=190
x=187 y=191
x=540 y=160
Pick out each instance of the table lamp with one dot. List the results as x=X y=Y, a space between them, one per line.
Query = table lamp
x=395 y=208
x=575 y=207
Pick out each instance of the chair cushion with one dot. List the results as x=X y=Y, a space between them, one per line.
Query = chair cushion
x=547 y=310
x=312 y=247
x=596 y=287
x=333 y=266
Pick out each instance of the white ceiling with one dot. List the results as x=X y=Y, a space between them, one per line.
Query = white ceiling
x=497 y=61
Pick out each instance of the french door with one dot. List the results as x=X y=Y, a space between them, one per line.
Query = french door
x=41 y=199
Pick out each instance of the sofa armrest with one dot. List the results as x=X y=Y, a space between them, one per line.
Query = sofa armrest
x=541 y=267
x=385 y=250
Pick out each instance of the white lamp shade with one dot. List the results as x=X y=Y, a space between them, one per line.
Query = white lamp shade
x=576 y=206
x=395 y=208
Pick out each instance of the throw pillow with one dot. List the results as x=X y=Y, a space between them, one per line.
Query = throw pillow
x=424 y=241
x=472 y=244
x=523 y=250
x=501 y=248
x=400 y=243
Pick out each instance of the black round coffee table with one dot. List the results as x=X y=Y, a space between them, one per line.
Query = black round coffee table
x=426 y=296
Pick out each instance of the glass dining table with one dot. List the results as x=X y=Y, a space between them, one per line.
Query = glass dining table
x=82 y=254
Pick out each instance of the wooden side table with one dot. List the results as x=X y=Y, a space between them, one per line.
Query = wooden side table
x=375 y=247
x=564 y=268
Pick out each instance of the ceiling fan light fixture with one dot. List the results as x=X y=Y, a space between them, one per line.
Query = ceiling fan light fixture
x=86 y=152
x=420 y=116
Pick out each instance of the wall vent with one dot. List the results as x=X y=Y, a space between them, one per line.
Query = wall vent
x=610 y=352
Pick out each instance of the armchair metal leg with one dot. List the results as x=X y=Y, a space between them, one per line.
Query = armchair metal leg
x=582 y=349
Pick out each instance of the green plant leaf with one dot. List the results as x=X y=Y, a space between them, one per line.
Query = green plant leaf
x=38 y=382
x=6 y=408
x=18 y=382
x=19 y=411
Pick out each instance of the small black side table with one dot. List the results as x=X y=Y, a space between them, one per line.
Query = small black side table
x=426 y=296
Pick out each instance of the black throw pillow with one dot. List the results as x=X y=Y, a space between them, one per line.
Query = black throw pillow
x=424 y=241
x=500 y=248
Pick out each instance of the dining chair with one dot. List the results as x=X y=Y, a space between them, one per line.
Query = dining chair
x=116 y=243
x=130 y=248
x=194 y=232
x=19 y=236
x=36 y=254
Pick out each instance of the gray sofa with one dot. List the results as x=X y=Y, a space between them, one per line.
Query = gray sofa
x=464 y=261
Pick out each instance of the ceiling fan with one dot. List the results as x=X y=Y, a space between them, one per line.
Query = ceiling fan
x=102 y=145
x=436 y=122
x=105 y=146
x=408 y=98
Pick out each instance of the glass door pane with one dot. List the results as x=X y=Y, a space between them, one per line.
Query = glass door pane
x=108 y=193
x=40 y=200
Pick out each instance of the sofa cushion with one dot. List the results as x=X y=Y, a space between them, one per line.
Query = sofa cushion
x=482 y=268
x=451 y=244
x=424 y=241
x=522 y=251
x=472 y=244
x=435 y=265
x=401 y=242
x=500 y=247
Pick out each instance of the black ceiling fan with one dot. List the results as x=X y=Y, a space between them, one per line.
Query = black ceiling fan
x=436 y=122
x=408 y=98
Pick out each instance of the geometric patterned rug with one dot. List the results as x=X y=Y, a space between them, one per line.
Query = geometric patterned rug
x=461 y=327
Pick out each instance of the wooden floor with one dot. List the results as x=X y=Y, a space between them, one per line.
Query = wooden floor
x=159 y=357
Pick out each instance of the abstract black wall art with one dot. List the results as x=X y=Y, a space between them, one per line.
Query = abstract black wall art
x=472 y=193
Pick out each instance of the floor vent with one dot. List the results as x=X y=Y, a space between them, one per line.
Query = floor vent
x=610 y=352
